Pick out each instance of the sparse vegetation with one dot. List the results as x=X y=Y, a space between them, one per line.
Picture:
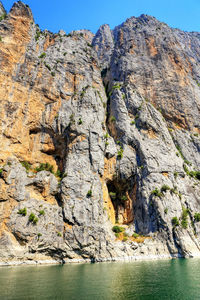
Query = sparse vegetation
x=185 y=168
x=193 y=174
x=58 y=173
x=72 y=120
x=82 y=94
x=53 y=74
x=174 y=190
x=32 y=218
x=47 y=66
x=44 y=167
x=120 y=153
x=132 y=122
x=156 y=193
x=26 y=165
x=184 y=221
x=175 y=221
x=113 y=195
x=166 y=210
x=118 y=229
x=42 y=55
x=80 y=121
x=197 y=217
x=116 y=86
x=135 y=235
x=181 y=154
x=42 y=212
x=106 y=136
x=59 y=234
x=89 y=193
x=112 y=119
x=22 y=211
x=38 y=33
x=175 y=175
x=165 y=188
x=124 y=198
x=136 y=117
x=197 y=83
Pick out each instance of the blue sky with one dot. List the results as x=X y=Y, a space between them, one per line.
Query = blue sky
x=90 y=14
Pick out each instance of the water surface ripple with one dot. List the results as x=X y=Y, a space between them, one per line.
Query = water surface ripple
x=170 y=279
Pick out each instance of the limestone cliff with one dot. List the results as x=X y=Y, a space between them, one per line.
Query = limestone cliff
x=98 y=131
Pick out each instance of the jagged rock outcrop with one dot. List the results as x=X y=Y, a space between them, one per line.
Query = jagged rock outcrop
x=96 y=131
x=2 y=10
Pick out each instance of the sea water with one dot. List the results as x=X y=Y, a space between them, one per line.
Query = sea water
x=161 y=279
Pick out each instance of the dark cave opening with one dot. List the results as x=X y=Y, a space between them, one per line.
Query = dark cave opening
x=121 y=198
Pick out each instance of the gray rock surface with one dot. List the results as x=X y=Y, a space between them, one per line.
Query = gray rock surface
x=108 y=136
x=2 y=9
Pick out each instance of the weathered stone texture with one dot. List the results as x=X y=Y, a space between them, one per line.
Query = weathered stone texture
x=96 y=131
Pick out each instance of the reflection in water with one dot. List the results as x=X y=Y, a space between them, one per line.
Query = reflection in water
x=172 y=279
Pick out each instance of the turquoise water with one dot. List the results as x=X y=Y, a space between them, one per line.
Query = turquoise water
x=170 y=279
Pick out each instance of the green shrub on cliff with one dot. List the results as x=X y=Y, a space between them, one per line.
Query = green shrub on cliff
x=32 y=218
x=197 y=217
x=42 y=212
x=42 y=55
x=175 y=221
x=22 y=211
x=44 y=167
x=112 y=119
x=26 y=165
x=165 y=188
x=184 y=221
x=156 y=193
x=135 y=235
x=117 y=229
x=113 y=195
x=120 y=153
x=89 y=193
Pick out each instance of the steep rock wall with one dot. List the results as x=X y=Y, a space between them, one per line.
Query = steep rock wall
x=98 y=131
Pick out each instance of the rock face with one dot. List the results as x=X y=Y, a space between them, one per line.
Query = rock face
x=2 y=10
x=95 y=132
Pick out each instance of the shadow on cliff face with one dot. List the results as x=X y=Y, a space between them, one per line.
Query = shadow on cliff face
x=53 y=144
x=122 y=200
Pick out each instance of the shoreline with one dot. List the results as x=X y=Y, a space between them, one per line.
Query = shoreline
x=16 y=263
